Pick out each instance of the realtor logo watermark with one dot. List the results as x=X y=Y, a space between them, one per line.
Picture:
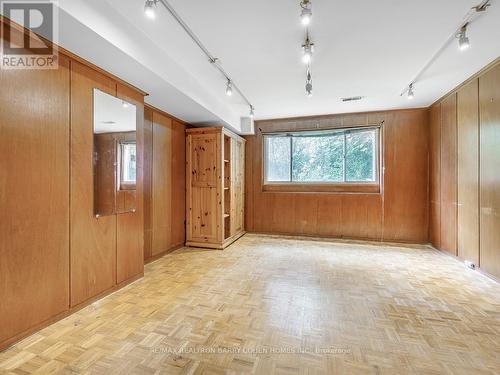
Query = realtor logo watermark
x=26 y=50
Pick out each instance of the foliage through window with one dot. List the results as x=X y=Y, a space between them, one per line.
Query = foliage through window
x=128 y=163
x=336 y=156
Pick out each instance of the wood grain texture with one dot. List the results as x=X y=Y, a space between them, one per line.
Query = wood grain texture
x=148 y=182
x=130 y=221
x=214 y=187
x=93 y=240
x=406 y=154
x=204 y=187
x=164 y=181
x=178 y=181
x=489 y=104
x=449 y=174
x=34 y=196
x=162 y=190
x=468 y=172
x=281 y=306
x=104 y=174
x=435 y=176
x=398 y=212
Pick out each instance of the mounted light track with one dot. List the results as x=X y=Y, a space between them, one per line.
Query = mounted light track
x=460 y=33
x=149 y=10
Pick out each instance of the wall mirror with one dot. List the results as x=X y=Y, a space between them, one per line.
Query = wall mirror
x=115 y=155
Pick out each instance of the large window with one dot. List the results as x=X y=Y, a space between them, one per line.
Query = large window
x=348 y=156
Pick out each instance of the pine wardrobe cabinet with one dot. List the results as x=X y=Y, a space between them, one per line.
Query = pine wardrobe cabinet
x=215 y=159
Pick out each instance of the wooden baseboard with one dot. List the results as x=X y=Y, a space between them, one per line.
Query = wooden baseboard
x=6 y=344
x=461 y=261
x=216 y=246
x=344 y=239
x=163 y=253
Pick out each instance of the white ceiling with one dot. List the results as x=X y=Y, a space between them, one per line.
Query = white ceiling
x=113 y=115
x=363 y=47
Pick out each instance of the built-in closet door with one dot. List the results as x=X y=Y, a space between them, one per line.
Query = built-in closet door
x=449 y=174
x=34 y=197
x=93 y=240
x=468 y=172
x=489 y=104
x=161 y=184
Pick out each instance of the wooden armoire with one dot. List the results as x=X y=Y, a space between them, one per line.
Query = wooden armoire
x=215 y=187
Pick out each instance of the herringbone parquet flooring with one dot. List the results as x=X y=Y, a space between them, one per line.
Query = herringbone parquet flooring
x=270 y=305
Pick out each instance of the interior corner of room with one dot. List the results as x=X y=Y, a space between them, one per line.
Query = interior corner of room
x=137 y=160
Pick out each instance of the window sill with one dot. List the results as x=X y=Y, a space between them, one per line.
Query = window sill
x=368 y=188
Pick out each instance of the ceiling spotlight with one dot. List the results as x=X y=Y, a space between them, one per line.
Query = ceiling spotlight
x=411 y=93
x=463 y=41
x=308 y=50
x=306 y=13
x=252 y=111
x=229 y=88
x=150 y=9
x=309 y=85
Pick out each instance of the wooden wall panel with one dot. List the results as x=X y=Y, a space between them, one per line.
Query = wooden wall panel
x=93 y=240
x=468 y=171
x=148 y=176
x=178 y=181
x=435 y=176
x=34 y=196
x=489 y=104
x=130 y=225
x=406 y=161
x=449 y=174
x=161 y=185
x=399 y=214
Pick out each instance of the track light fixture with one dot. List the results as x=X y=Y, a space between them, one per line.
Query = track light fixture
x=252 y=112
x=308 y=50
x=125 y=104
x=150 y=9
x=411 y=93
x=150 y=12
x=229 y=88
x=309 y=85
x=306 y=13
x=463 y=40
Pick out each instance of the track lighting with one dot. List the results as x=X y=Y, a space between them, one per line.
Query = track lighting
x=124 y=104
x=411 y=93
x=150 y=9
x=309 y=86
x=306 y=13
x=229 y=88
x=252 y=111
x=463 y=40
x=308 y=49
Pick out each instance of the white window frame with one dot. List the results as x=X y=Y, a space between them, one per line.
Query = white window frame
x=316 y=133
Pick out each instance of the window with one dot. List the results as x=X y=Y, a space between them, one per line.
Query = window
x=348 y=156
x=128 y=165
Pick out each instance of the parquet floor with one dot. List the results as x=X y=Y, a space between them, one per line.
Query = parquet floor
x=269 y=305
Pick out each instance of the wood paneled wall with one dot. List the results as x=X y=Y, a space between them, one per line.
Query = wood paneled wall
x=449 y=174
x=56 y=256
x=465 y=132
x=34 y=198
x=165 y=156
x=398 y=213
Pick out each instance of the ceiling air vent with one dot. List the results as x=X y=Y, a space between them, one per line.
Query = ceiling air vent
x=352 y=99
